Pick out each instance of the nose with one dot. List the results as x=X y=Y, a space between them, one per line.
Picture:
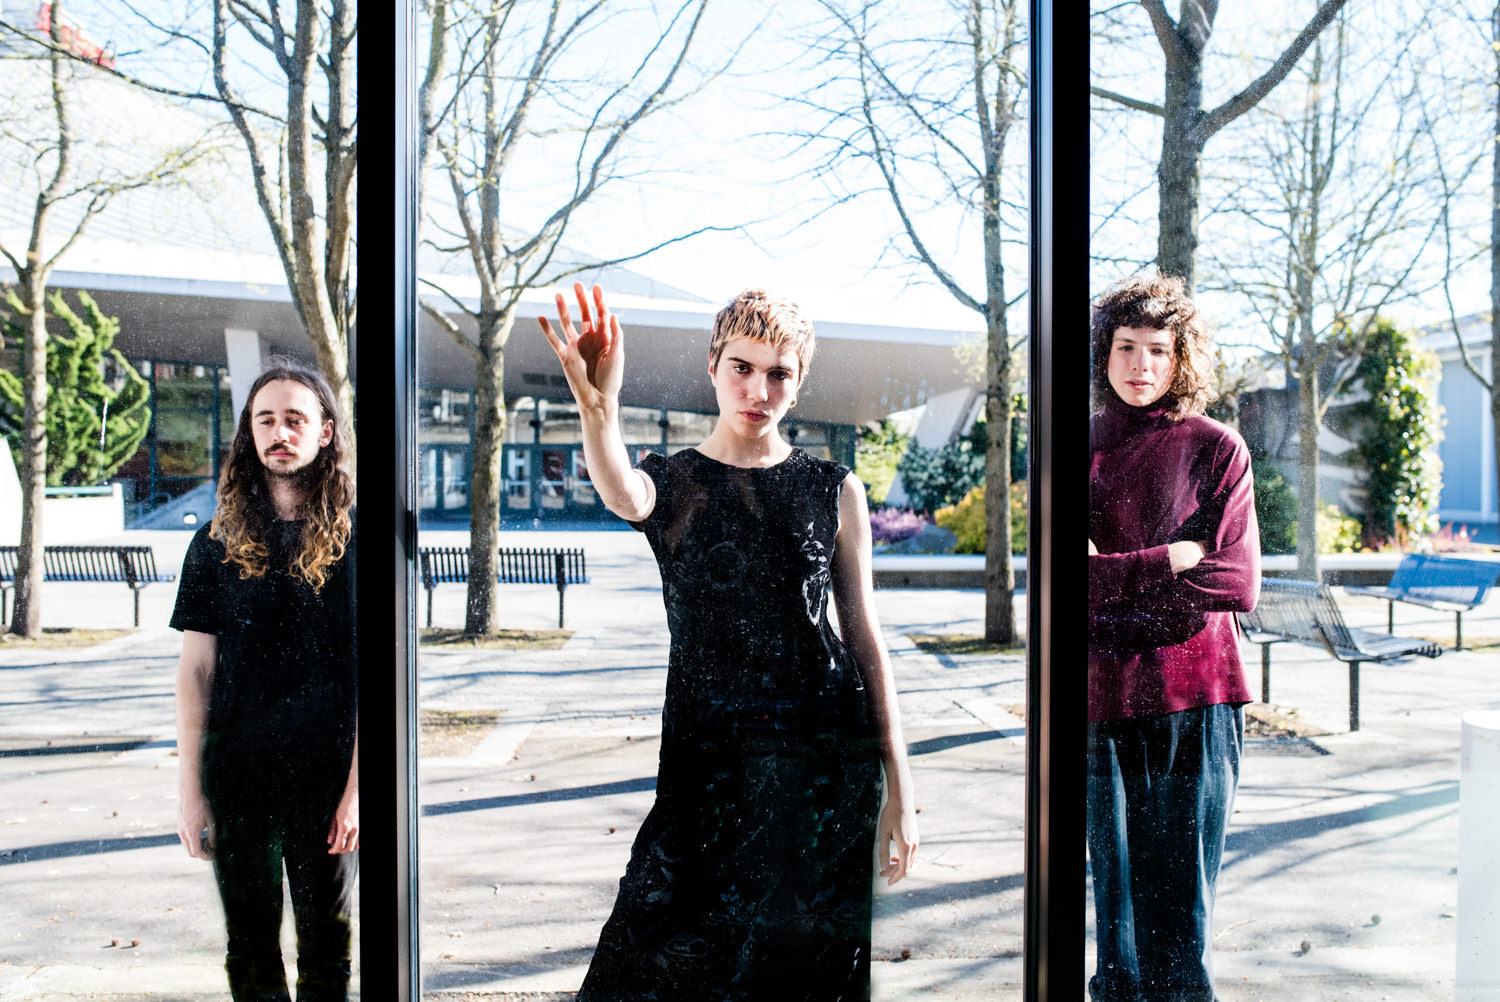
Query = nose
x=756 y=388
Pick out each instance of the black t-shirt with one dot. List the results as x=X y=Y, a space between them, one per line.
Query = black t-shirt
x=282 y=707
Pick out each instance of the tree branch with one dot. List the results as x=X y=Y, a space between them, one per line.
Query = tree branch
x=1246 y=99
x=1129 y=102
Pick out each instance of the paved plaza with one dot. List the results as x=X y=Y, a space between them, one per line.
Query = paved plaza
x=1340 y=880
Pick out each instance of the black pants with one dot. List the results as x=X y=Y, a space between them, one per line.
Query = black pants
x=253 y=846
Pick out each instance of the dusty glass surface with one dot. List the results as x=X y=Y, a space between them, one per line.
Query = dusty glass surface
x=539 y=762
x=1349 y=758
x=151 y=211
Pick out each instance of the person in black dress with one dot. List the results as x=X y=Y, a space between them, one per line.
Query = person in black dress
x=753 y=872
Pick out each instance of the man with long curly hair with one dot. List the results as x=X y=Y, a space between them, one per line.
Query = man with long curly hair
x=1174 y=553
x=267 y=726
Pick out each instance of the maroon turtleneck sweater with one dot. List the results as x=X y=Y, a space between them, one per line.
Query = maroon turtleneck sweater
x=1161 y=642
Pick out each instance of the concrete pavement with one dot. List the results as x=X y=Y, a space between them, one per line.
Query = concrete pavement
x=1339 y=880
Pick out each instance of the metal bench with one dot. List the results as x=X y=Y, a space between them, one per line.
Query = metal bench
x=1444 y=583
x=450 y=565
x=134 y=566
x=1305 y=612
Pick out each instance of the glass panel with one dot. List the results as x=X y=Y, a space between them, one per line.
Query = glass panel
x=549 y=759
x=1343 y=762
x=157 y=275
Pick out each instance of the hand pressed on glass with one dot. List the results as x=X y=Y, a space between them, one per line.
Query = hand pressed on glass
x=593 y=360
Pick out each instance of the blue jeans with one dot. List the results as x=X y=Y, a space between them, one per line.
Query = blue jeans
x=1160 y=793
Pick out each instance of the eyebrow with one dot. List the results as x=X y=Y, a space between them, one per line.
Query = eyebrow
x=743 y=361
x=290 y=410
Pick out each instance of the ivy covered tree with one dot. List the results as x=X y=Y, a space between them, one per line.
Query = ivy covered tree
x=80 y=401
x=1399 y=430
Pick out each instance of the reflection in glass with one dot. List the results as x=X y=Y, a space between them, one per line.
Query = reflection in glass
x=1174 y=554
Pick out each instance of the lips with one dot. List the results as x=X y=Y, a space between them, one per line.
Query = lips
x=753 y=415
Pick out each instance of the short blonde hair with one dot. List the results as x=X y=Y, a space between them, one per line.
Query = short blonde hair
x=759 y=315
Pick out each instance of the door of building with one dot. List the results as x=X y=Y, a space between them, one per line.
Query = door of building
x=548 y=482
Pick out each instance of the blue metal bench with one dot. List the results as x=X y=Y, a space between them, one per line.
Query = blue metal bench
x=1443 y=583
x=450 y=565
x=1305 y=612
x=134 y=566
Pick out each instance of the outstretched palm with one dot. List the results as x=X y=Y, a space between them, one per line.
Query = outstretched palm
x=593 y=360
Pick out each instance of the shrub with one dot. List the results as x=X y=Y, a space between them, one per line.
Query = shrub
x=937 y=477
x=877 y=454
x=966 y=520
x=1398 y=437
x=1275 y=510
x=891 y=525
x=1337 y=532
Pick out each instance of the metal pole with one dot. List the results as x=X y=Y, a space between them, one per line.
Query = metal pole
x=1057 y=648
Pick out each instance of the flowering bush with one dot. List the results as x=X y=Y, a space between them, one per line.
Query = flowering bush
x=966 y=520
x=891 y=525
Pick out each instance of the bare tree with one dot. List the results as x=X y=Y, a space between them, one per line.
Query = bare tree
x=308 y=202
x=921 y=110
x=69 y=196
x=283 y=70
x=1336 y=207
x=1187 y=125
x=523 y=89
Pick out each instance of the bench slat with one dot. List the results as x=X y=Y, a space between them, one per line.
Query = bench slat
x=134 y=566
x=450 y=565
x=1306 y=612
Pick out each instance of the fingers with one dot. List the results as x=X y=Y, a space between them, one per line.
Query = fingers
x=584 y=315
x=900 y=863
x=199 y=842
x=343 y=829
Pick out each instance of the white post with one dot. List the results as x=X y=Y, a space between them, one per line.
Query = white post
x=1478 y=976
x=244 y=352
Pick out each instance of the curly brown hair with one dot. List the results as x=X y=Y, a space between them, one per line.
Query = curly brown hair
x=244 y=514
x=1158 y=302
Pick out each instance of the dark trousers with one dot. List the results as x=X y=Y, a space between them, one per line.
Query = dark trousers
x=252 y=848
x=1160 y=794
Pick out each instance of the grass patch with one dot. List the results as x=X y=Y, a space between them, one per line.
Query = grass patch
x=1271 y=721
x=961 y=643
x=63 y=636
x=501 y=640
x=1471 y=643
x=454 y=733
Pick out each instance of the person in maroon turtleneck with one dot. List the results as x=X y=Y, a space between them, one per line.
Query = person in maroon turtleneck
x=1174 y=553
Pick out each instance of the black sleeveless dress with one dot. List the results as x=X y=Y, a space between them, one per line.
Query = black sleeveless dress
x=751 y=878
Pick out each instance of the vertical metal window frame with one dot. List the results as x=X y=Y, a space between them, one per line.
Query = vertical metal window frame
x=1057 y=648
x=384 y=372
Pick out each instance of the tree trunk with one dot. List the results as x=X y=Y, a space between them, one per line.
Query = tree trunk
x=999 y=579
x=1307 y=452
x=1178 y=174
x=26 y=615
x=482 y=615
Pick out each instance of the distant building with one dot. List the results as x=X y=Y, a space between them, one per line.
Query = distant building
x=1469 y=495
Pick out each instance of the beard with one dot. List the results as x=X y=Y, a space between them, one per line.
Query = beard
x=301 y=477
